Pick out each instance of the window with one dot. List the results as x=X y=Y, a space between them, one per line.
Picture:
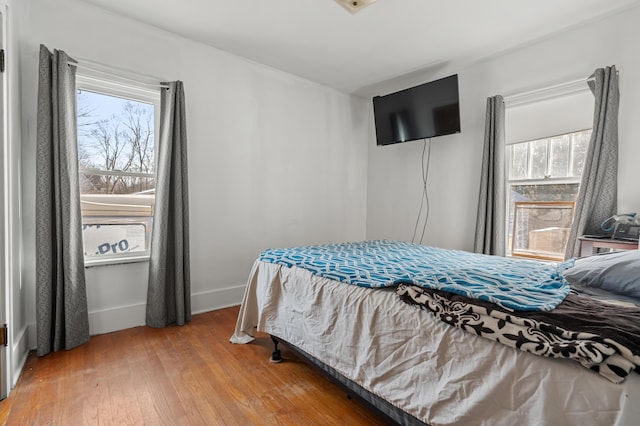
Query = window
x=543 y=181
x=117 y=168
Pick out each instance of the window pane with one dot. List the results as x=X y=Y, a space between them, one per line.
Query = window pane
x=117 y=173
x=115 y=133
x=538 y=159
x=559 y=156
x=100 y=183
x=546 y=192
x=534 y=193
x=579 y=145
x=541 y=229
x=518 y=153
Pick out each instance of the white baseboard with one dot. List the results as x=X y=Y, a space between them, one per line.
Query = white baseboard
x=104 y=321
x=217 y=299
x=123 y=317
x=115 y=319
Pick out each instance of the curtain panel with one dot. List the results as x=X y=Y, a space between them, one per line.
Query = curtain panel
x=62 y=319
x=169 y=290
x=598 y=194
x=490 y=219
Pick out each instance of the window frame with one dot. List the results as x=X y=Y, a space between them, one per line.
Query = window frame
x=87 y=81
x=546 y=180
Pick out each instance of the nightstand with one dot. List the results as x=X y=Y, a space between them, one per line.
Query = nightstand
x=589 y=246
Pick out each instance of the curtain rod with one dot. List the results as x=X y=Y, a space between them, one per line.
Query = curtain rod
x=89 y=66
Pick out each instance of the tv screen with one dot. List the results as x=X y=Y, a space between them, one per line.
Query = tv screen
x=425 y=111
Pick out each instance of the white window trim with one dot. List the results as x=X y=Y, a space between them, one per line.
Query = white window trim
x=130 y=91
x=546 y=93
x=114 y=259
x=115 y=88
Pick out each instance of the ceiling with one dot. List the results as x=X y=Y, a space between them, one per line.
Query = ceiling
x=321 y=41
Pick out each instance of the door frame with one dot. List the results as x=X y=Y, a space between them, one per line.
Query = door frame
x=5 y=214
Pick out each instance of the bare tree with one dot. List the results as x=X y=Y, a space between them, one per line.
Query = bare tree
x=139 y=123
x=86 y=118
x=110 y=146
x=123 y=143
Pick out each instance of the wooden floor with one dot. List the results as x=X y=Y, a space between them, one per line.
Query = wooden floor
x=187 y=375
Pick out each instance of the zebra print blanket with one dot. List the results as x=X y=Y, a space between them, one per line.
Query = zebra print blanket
x=600 y=336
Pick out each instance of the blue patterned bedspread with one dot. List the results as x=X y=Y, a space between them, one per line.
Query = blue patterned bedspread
x=516 y=284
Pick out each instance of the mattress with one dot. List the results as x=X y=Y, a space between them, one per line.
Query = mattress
x=437 y=373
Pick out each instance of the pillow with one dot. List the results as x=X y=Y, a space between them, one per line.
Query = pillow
x=617 y=272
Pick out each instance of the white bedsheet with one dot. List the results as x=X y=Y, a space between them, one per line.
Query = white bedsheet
x=438 y=373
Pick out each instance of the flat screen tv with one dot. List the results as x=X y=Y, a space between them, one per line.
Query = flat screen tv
x=425 y=111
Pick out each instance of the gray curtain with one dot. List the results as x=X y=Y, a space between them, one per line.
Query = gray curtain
x=61 y=299
x=598 y=195
x=490 y=220
x=169 y=291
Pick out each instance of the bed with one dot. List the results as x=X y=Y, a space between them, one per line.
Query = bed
x=408 y=360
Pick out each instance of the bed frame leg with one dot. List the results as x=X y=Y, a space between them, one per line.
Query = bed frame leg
x=275 y=355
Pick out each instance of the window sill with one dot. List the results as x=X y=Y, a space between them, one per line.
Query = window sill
x=537 y=258
x=91 y=263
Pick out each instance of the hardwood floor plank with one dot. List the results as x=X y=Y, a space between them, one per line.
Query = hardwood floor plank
x=188 y=375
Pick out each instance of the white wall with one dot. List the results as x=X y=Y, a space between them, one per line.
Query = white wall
x=394 y=182
x=274 y=160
